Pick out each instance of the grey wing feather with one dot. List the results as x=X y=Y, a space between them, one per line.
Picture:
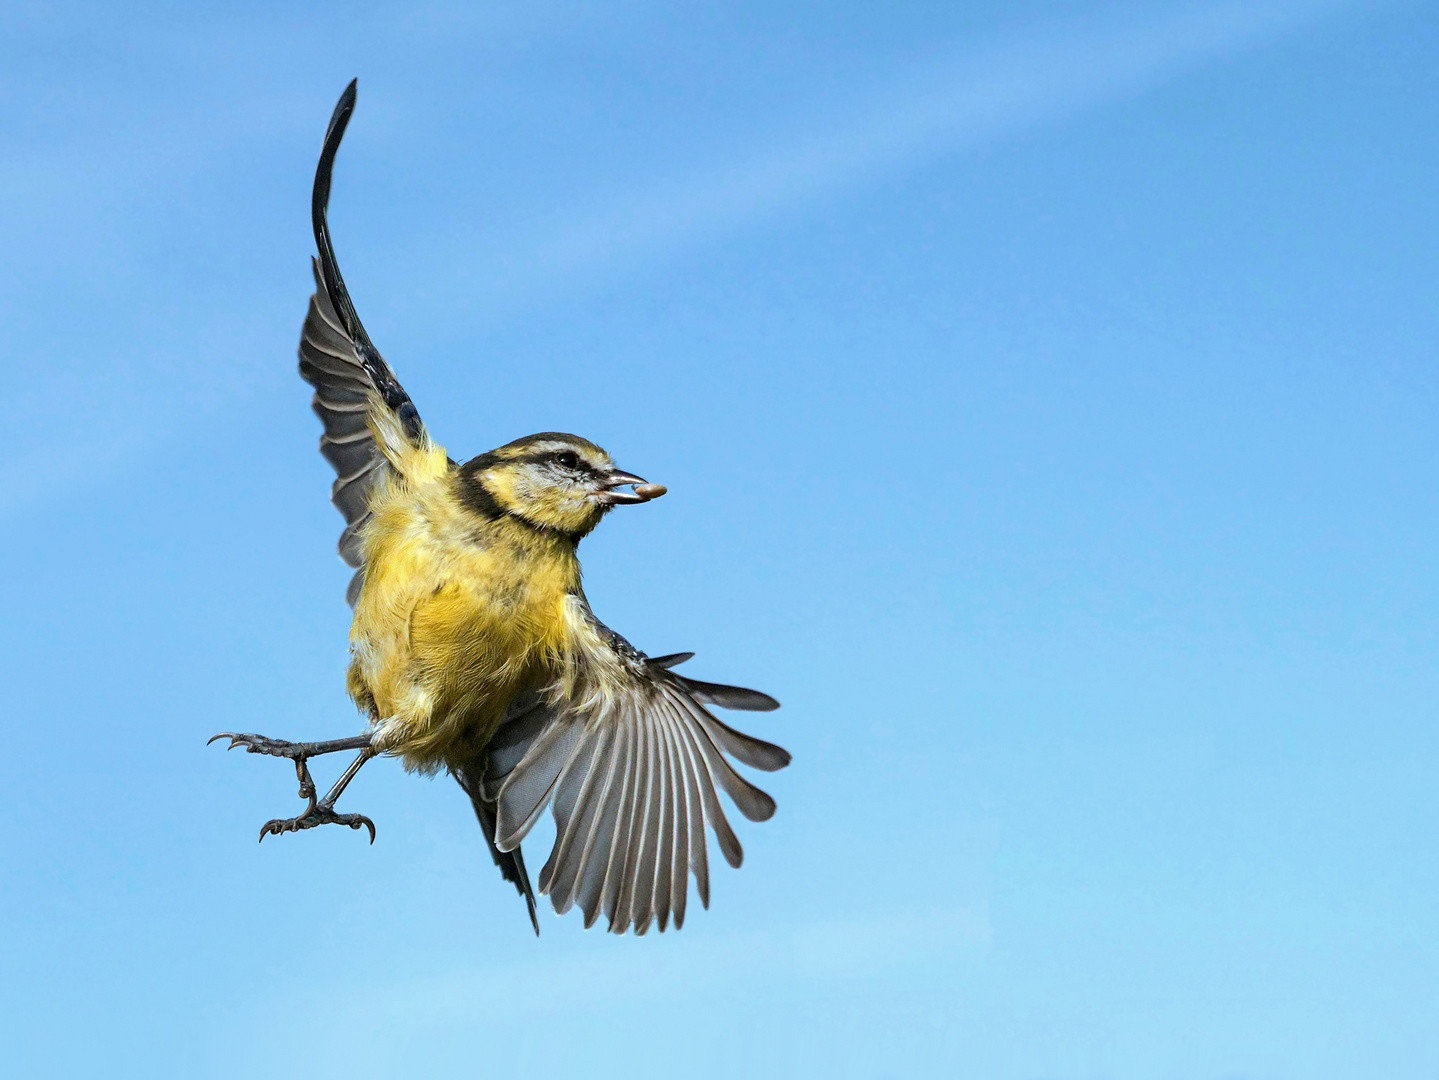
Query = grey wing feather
x=728 y=697
x=631 y=788
x=348 y=373
x=330 y=363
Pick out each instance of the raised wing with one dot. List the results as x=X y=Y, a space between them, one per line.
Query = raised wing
x=356 y=393
x=633 y=782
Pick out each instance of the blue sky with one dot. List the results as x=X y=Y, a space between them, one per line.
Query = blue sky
x=1045 y=393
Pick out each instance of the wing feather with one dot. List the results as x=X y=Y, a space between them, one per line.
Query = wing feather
x=633 y=780
x=642 y=902
x=619 y=880
x=714 y=814
x=589 y=839
x=357 y=582
x=522 y=802
x=746 y=749
x=698 y=850
x=679 y=865
x=577 y=778
x=599 y=852
x=728 y=697
x=750 y=800
x=523 y=723
x=356 y=391
x=352 y=545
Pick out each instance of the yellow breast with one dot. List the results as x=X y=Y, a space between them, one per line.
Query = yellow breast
x=456 y=616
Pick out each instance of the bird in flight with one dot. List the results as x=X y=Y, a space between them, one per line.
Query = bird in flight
x=474 y=650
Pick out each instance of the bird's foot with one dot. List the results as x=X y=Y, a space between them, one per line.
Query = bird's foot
x=321 y=811
x=260 y=744
x=318 y=814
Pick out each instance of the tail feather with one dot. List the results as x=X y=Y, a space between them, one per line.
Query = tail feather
x=511 y=863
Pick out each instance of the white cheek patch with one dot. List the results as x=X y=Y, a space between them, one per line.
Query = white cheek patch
x=538 y=485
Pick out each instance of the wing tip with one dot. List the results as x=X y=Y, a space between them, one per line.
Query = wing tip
x=343 y=108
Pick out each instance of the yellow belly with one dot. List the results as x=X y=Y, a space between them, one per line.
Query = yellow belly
x=451 y=624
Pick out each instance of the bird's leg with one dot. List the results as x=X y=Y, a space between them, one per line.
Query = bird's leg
x=321 y=811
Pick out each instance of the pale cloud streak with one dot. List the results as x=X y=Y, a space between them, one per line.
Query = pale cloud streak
x=965 y=96
x=970 y=96
x=647 y=983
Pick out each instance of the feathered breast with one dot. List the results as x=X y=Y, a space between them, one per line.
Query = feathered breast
x=456 y=616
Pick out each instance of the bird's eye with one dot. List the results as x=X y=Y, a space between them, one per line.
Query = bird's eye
x=569 y=459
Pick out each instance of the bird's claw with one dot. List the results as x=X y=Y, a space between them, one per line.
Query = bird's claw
x=259 y=744
x=316 y=815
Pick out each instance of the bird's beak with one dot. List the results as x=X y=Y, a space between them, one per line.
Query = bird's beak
x=643 y=491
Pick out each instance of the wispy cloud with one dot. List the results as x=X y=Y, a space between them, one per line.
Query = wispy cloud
x=971 y=95
x=964 y=96
x=658 y=983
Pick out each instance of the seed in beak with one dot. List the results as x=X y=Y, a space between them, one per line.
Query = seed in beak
x=643 y=491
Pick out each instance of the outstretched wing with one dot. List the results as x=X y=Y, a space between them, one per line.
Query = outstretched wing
x=632 y=777
x=357 y=396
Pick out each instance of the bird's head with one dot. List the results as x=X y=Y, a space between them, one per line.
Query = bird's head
x=551 y=480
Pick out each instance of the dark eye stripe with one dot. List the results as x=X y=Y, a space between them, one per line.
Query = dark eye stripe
x=537 y=457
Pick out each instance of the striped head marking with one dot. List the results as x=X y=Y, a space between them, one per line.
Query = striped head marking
x=552 y=481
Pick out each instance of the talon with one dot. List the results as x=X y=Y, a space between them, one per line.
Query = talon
x=315 y=816
x=254 y=744
x=236 y=739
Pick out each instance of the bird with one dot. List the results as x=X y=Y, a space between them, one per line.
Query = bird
x=474 y=651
